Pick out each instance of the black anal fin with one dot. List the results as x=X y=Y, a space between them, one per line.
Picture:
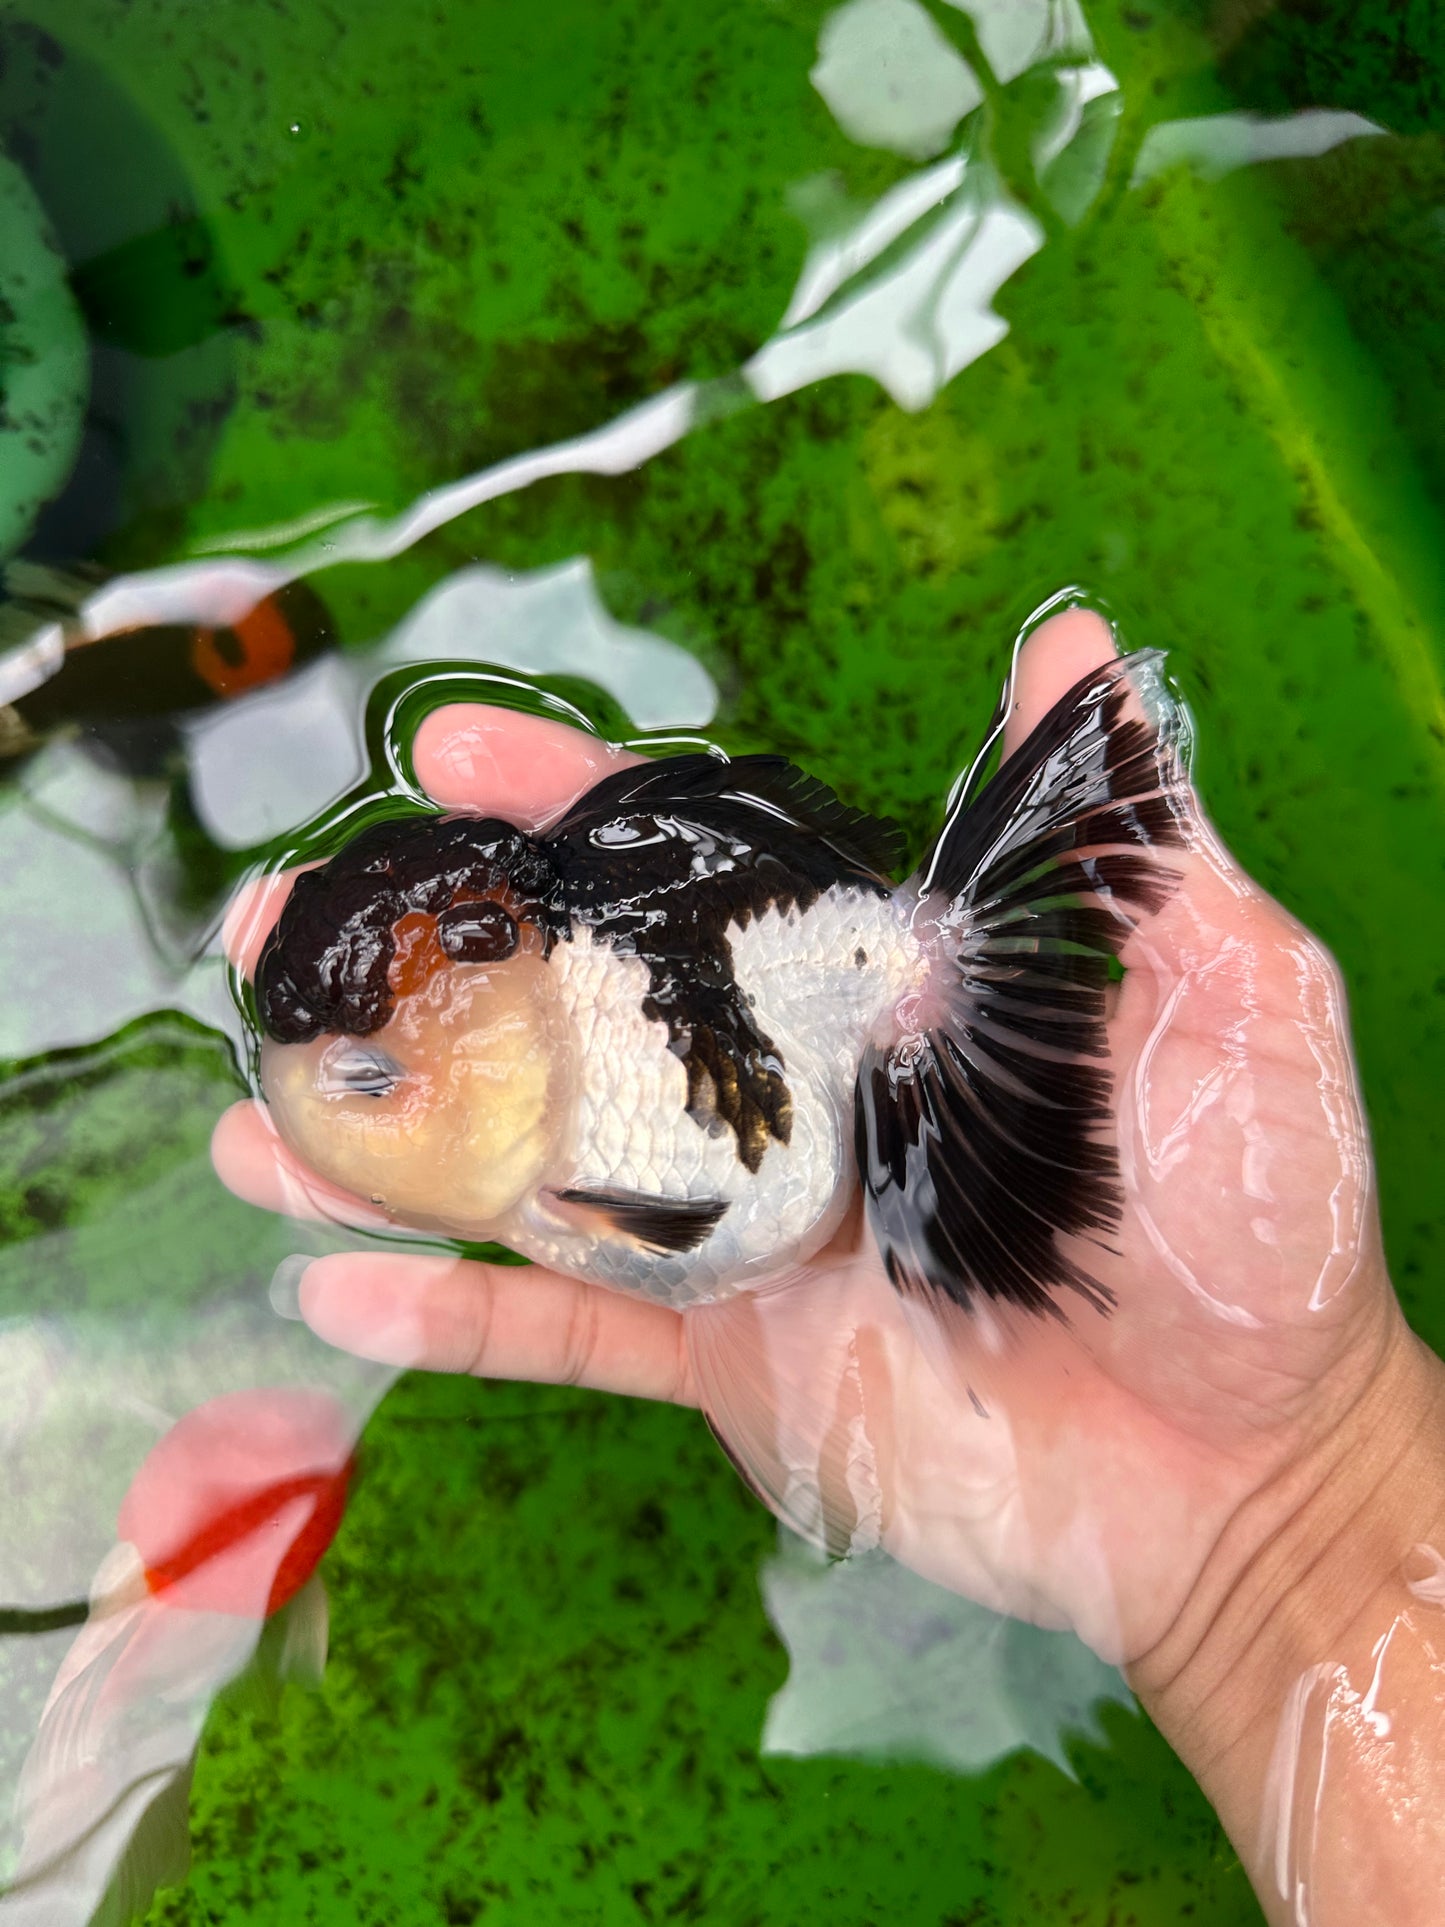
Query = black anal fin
x=660 y=1224
x=985 y=1141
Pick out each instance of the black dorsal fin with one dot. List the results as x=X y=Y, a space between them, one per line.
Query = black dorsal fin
x=985 y=1141
x=755 y=790
x=775 y=784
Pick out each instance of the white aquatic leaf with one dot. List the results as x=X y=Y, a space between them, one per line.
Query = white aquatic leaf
x=1071 y=150
x=1078 y=87
x=884 y=1665
x=31 y=652
x=60 y=992
x=1215 y=144
x=891 y=79
x=274 y=758
x=851 y=250
x=1015 y=35
x=269 y=760
x=553 y=622
x=221 y=589
x=916 y=326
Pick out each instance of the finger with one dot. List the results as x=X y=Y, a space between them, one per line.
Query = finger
x=526 y=769
x=496 y=1321
x=1060 y=651
x=251 y=1161
x=468 y=756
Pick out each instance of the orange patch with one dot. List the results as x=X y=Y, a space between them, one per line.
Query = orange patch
x=255 y=1518
x=267 y=647
x=419 y=954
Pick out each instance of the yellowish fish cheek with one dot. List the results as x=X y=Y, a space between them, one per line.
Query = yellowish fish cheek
x=509 y=1078
x=365 y=1144
x=474 y=1122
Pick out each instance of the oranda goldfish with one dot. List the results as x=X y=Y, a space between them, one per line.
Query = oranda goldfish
x=656 y=1046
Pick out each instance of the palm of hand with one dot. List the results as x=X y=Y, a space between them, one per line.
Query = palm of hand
x=1074 y=1472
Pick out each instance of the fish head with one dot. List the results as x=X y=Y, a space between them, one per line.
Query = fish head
x=417 y=1052
x=448 y=1114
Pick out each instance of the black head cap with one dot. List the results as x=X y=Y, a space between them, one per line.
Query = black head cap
x=326 y=965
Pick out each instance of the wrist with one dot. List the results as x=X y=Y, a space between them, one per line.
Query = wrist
x=1304 y=1585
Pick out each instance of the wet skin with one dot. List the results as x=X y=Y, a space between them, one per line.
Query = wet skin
x=1216 y=1485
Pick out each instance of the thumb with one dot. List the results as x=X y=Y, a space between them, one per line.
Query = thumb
x=1060 y=651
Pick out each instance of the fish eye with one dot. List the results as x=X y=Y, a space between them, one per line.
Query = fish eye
x=349 y=1069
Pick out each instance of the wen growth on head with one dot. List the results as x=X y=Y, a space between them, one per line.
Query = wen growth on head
x=657 y=1046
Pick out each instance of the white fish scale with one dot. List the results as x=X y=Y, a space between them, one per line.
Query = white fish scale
x=796 y=964
x=630 y=1130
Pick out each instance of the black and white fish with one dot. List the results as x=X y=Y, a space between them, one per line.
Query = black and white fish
x=657 y=1046
x=123 y=686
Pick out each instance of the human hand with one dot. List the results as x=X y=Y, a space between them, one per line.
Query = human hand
x=1127 y=1475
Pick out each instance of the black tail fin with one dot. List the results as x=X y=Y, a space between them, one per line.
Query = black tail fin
x=983 y=1141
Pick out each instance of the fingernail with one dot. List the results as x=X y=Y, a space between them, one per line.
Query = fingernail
x=285 y=1293
x=471 y=758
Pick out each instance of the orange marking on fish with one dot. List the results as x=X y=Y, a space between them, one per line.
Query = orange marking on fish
x=419 y=954
x=266 y=644
x=251 y=1519
x=232 y=1511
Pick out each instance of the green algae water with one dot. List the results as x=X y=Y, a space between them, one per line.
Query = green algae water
x=754 y=368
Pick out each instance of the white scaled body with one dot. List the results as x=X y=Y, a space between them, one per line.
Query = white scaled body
x=818 y=982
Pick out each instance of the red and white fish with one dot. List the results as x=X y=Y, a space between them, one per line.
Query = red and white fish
x=221 y=1532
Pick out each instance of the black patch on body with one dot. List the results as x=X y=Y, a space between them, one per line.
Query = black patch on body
x=662 y=1224
x=661 y=858
x=658 y=859
x=982 y=1142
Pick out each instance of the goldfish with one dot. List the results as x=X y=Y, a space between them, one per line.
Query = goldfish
x=219 y=1536
x=123 y=683
x=658 y=1046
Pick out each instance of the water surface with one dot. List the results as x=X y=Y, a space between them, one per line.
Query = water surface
x=764 y=363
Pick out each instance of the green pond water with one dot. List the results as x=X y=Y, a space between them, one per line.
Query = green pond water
x=292 y=266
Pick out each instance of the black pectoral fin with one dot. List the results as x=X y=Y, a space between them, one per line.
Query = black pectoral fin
x=985 y=1141
x=660 y=1224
